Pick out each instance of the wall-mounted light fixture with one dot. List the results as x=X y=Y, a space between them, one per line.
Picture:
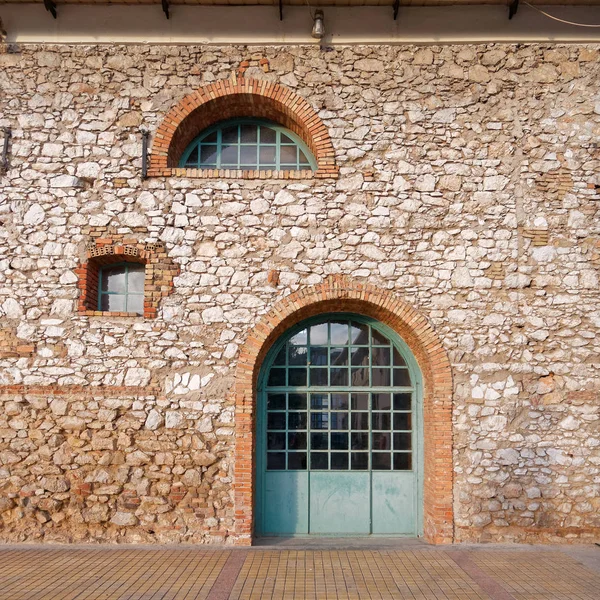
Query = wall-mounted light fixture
x=318 y=30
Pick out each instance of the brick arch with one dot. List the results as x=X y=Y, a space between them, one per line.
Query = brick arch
x=341 y=294
x=228 y=99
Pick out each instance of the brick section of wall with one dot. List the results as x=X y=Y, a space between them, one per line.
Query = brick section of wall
x=235 y=98
x=342 y=294
x=159 y=270
x=11 y=346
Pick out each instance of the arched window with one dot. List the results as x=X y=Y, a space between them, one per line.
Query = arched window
x=347 y=386
x=121 y=288
x=248 y=144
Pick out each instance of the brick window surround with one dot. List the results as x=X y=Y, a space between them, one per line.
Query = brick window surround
x=159 y=273
x=238 y=98
x=342 y=294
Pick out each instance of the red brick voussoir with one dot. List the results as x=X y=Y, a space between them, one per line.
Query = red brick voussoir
x=236 y=98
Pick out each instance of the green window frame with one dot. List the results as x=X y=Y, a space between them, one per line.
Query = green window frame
x=121 y=290
x=248 y=144
x=339 y=394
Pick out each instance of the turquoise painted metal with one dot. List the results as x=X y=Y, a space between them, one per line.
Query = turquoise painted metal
x=339 y=432
x=248 y=144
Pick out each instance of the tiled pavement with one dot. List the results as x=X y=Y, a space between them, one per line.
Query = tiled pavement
x=402 y=571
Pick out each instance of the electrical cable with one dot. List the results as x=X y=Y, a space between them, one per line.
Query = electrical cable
x=558 y=18
x=312 y=16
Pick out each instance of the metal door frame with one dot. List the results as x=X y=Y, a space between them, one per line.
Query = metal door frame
x=261 y=411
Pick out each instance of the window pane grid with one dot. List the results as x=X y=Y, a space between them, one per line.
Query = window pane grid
x=247 y=145
x=120 y=288
x=342 y=428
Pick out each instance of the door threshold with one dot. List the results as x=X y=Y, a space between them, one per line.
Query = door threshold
x=341 y=543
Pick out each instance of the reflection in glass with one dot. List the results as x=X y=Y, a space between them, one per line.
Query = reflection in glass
x=297 y=420
x=381 y=402
x=402 y=461
x=319 y=441
x=402 y=401
x=359 y=461
x=339 y=441
x=398 y=360
x=339 y=461
x=339 y=401
x=275 y=440
x=381 y=460
x=297 y=377
x=297 y=355
x=319 y=400
x=280 y=358
x=381 y=377
x=378 y=339
x=122 y=288
x=381 y=357
x=381 y=441
x=297 y=401
x=276 y=401
x=114 y=279
x=297 y=440
x=359 y=421
x=275 y=461
x=359 y=441
x=339 y=420
x=360 y=377
x=381 y=421
x=401 y=378
x=297 y=461
x=339 y=377
x=275 y=420
x=318 y=334
x=339 y=333
x=318 y=460
x=360 y=402
x=112 y=302
x=359 y=356
x=300 y=338
x=319 y=420
x=359 y=333
x=276 y=377
x=318 y=356
x=318 y=376
x=339 y=357
x=402 y=441
x=402 y=421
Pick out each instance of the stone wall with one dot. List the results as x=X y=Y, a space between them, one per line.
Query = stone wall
x=467 y=186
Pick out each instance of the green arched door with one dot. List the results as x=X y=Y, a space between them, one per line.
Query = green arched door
x=339 y=442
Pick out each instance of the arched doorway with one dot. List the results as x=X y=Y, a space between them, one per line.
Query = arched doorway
x=339 y=432
x=339 y=293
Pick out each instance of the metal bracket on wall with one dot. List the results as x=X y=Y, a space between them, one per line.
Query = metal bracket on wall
x=396 y=8
x=165 y=7
x=50 y=7
x=513 y=8
x=145 y=135
x=7 y=136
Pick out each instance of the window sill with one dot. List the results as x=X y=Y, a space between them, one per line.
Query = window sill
x=331 y=173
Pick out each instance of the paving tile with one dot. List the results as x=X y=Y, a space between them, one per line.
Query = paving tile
x=109 y=574
x=198 y=573
x=539 y=575
x=349 y=575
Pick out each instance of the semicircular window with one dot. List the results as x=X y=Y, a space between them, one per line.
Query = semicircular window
x=248 y=144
